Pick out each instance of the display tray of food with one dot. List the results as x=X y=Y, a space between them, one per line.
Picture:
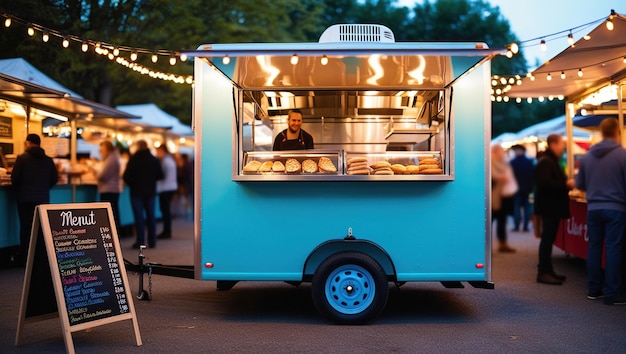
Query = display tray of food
x=393 y=163
x=291 y=163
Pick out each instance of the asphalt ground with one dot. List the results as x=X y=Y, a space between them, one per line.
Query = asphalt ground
x=190 y=316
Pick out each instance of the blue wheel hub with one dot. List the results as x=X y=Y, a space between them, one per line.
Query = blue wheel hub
x=350 y=289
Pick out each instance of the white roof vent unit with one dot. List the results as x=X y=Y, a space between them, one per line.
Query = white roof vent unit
x=357 y=33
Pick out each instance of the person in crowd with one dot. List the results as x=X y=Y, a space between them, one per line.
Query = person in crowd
x=294 y=137
x=184 y=177
x=108 y=177
x=524 y=170
x=33 y=176
x=551 y=204
x=503 y=187
x=166 y=188
x=602 y=175
x=141 y=175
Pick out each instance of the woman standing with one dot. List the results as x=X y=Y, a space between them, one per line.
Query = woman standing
x=503 y=187
x=166 y=188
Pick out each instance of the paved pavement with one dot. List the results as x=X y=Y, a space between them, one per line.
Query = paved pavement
x=255 y=317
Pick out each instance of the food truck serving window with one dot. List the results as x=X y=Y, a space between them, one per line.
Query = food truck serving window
x=342 y=135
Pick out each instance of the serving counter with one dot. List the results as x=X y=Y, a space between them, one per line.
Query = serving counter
x=572 y=236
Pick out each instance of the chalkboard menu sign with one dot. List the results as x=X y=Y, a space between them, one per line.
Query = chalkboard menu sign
x=88 y=265
x=85 y=264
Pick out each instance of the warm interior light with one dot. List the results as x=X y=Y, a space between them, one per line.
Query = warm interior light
x=66 y=42
x=580 y=72
x=30 y=30
x=155 y=58
x=7 y=22
x=172 y=60
x=609 y=25
x=294 y=59
x=45 y=37
x=324 y=60
x=133 y=56
x=549 y=77
x=562 y=74
x=84 y=47
x=226 y=60
x=543 y=45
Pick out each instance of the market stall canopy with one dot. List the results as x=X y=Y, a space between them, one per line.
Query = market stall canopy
x=552 y=126
x=591 y=62
x=152 y=115
x=22 y=83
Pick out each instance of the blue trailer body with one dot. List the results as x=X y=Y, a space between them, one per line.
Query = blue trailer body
x=433 y=230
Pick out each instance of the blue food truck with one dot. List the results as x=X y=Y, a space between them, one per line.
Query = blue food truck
x=393 y=188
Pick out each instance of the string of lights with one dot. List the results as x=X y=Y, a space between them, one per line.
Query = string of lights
x=501 y=85
x=113 y=52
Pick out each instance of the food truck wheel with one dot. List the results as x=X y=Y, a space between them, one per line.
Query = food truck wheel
x=350 y=288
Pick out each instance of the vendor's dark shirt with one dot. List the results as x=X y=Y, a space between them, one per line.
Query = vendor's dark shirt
x=304 y=141
x=551 y=192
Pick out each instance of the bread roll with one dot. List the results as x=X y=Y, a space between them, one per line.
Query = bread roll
x=398 y=169
x=358 y=166
x=278 y=167
x=252 y=166
x=384 y=171
x=363 y=171
x=292 y=166
x=380 y=164
x=429 y=162
x=356 y=160
x=412 y=169
x=266 y=166
x=309 y=166
x=428 y=167
x=326 y=165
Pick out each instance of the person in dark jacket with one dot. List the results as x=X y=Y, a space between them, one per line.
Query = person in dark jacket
x=141 y=175
x=524 y=171
x=551 y=204
x=602 y=175
x=33 y=175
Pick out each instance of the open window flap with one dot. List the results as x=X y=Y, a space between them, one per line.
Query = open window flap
x=284 y=66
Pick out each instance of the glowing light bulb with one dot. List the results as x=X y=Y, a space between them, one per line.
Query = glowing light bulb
x=172 y=60
x=529 y=100
x=549 y=77
x=66 y=42
x=543 y=45
x=45 y=37
x=609 y=25
x=587 y=37
x=562 y=74
x=324 y=60
x=226 y=60
x=509 y=54
x=30 y=30
x=294 y=59
x=514 y=48
x=183 y=57
x=7 y=22
x=84 y=47
x=155 y=58
x=116 y=51
x=570 y=39
x=133 y=56
x=580 y=72
x=518 y=100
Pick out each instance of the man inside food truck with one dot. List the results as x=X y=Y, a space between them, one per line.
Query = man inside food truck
x=294 y=137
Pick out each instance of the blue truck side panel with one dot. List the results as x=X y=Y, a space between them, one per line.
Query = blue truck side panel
x=432 y=231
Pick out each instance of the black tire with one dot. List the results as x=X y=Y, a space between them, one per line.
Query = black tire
x=350 y=288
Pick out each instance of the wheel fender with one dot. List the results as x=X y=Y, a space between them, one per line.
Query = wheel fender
x=328 y=248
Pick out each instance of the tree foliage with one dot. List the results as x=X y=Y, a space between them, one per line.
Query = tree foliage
x=185 y=24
